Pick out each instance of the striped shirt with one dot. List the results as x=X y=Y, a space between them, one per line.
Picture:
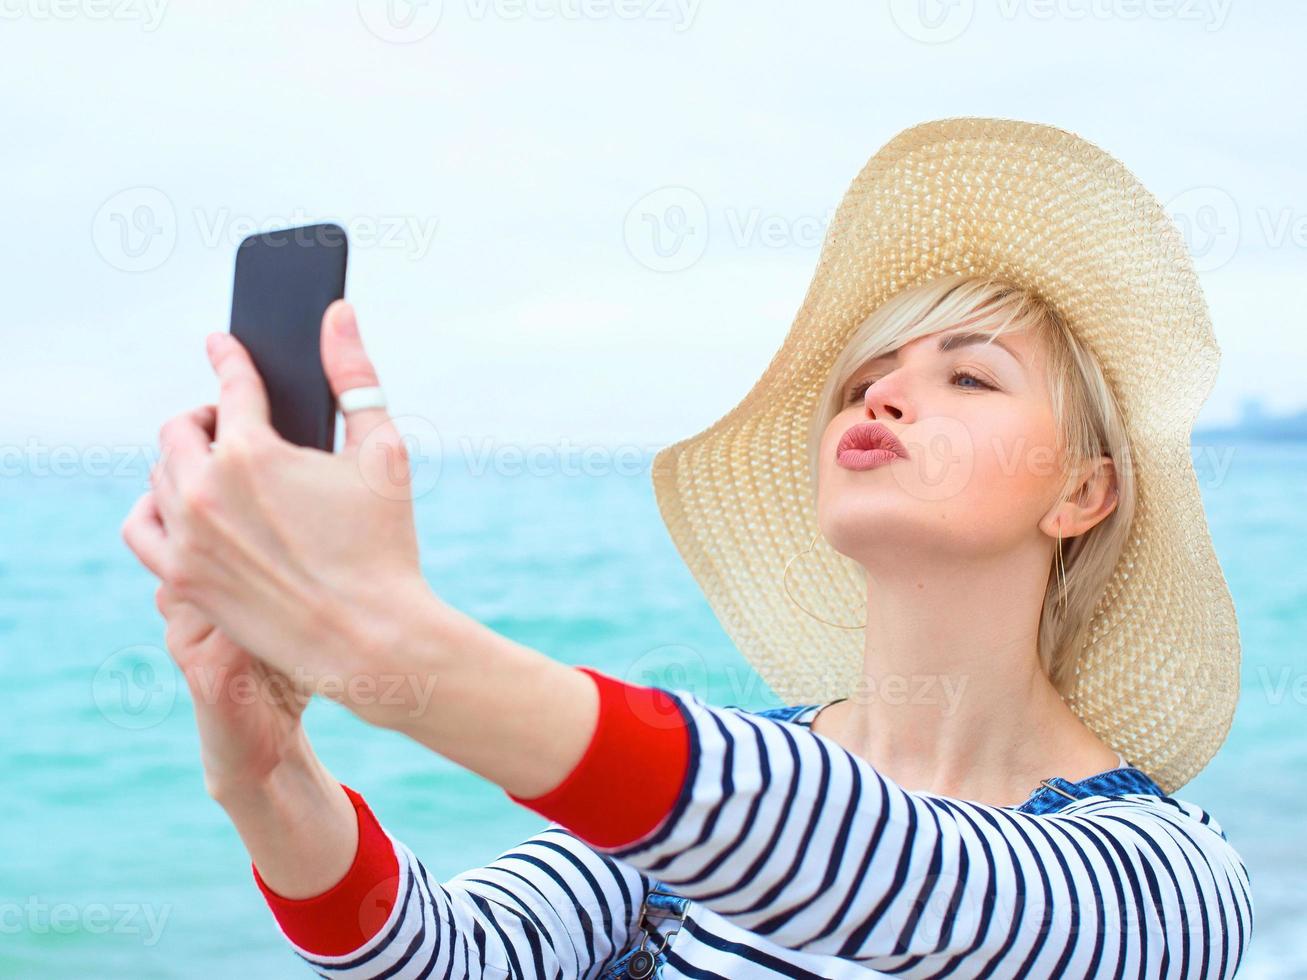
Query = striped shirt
x=801 y=860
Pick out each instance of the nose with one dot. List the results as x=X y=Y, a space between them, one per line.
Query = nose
x=883 y=401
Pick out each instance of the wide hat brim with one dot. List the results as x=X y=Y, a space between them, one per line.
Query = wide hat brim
x=1158 y=679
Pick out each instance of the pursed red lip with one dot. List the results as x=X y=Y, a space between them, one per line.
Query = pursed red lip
x=867 y=437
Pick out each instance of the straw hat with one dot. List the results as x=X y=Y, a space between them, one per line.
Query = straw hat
x=1158 y=678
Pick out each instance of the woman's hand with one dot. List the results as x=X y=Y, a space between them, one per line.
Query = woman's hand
x=247 y=713
x=306 y=559
x=296 y=822
x=309 y=561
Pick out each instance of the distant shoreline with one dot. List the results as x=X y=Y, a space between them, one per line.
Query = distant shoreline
x=1257 y=426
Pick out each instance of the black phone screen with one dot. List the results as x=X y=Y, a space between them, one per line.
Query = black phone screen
x=285 y=280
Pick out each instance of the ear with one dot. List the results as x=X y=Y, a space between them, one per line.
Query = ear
x=1095 y=497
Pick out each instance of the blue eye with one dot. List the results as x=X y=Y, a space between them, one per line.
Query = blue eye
x=964 y=374
x=860 y=390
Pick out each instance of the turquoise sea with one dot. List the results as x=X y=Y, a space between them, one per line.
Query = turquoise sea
x=114 y=862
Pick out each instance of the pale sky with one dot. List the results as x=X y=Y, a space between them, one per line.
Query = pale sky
x=494 y=161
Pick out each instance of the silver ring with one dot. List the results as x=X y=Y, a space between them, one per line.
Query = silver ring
x=357 y=398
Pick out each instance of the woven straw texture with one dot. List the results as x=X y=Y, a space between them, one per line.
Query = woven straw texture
x=1158 y=679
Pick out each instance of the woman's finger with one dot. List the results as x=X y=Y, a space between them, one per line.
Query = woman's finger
x=242 y=399
x=347 y=366
x=144 y=533
x=187 y=436
x=184 y=443
x=186 y=626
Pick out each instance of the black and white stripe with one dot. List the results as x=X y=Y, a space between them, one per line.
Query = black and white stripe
x=803 y=861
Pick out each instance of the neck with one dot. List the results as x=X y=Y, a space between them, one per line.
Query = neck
x=953 y=698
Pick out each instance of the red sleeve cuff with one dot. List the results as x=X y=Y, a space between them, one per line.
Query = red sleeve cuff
x=632 y=771
x=352 y=911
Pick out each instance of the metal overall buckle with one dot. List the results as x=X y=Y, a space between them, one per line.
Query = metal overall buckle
x=1047 y=784
x=643 y=963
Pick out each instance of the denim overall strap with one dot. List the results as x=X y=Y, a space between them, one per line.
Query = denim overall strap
x=785 y=713
x=1056 y=792
x=646 y=960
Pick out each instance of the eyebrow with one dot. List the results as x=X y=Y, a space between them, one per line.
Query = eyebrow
x=951 y=341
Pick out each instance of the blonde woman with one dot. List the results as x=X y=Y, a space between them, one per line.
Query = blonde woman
x=952 y=525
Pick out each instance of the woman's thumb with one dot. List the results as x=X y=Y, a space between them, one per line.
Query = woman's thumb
x=347 y=366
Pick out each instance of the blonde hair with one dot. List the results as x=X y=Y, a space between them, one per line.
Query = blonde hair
x=1089 y=425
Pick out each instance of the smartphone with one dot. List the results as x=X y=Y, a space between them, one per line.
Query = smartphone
x=285 y=280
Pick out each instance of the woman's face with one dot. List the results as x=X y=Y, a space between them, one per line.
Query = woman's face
x=981 y=468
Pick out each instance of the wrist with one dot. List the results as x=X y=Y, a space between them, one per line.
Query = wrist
x=299 y=827
x=401 y=659
x=344 y=916
x=298 y=775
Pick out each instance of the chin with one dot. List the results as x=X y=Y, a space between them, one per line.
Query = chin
x=858 y=525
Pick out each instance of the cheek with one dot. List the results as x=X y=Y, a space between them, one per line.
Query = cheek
x=1014 y=470
x=835 y=428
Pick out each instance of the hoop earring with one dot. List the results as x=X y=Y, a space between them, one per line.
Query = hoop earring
x=1061 y=572
x=785 y=583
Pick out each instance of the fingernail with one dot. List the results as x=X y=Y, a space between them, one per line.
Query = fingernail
x=346 y=325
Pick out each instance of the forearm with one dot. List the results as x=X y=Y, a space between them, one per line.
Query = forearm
x=530 y=724
x=299 y=827
x=488 y=700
